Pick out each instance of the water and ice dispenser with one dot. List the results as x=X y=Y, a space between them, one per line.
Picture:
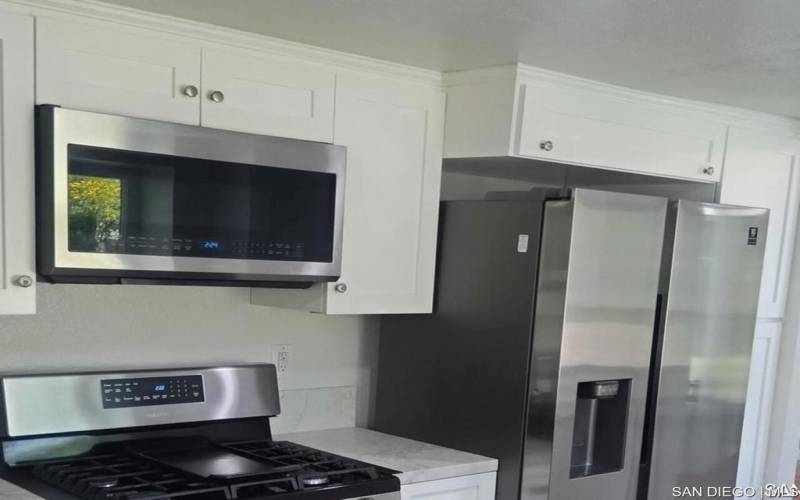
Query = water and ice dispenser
x=598 y=438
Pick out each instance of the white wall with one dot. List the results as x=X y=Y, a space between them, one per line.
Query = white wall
x=80 y=327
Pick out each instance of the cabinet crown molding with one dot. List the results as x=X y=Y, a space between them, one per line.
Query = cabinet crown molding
x=209 y=33
x=524 y=73
x=213 y=34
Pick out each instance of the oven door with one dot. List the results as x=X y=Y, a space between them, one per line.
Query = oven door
x=124 y=198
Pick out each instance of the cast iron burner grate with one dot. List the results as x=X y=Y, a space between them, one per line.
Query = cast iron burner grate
x=313 y=468
x=122 y=477
x=130 y=476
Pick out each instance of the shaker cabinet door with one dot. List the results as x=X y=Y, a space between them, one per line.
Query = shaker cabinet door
x=761 y=170
x=474 y=487
x=758 y=406
x=270 y=95
x=393 y=133
x=117 y=69
x=598 y=130
x=17 y=268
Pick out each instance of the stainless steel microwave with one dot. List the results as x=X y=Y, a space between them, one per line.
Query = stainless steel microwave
x=131 y=200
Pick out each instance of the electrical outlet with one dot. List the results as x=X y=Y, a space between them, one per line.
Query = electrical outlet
x=281 y=356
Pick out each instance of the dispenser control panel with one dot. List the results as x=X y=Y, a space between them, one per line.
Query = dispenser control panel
x=147 y=391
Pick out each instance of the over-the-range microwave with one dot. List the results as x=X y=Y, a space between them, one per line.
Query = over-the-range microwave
x=131 y=200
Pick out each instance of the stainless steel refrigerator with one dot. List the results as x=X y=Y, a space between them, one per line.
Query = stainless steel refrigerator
x=596 y=343
x=709 y=286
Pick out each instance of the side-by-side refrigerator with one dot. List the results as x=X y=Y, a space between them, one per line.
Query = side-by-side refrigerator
x=709 y=286
x=596 y=343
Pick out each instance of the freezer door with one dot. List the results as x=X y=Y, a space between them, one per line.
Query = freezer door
x=714 y=264
x=595 y=307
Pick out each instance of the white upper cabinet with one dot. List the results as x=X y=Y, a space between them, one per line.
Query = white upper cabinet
x=515 y=111
x=761 y=170
x=129 y=71
x=252 y=92
x=117 y=69
x=17 y=226
x=392 y=126
x=585 y=127
x=393 y=134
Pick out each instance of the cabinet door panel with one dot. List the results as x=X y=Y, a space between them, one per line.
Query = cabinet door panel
x=760 y=391
x=592 y=129
x=116 y=69
x=761 y=171
x=474 y=487
x=393 y=135
x=268 y=95
x=16 y=165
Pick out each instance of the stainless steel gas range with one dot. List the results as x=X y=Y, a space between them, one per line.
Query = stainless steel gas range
x=160 y=434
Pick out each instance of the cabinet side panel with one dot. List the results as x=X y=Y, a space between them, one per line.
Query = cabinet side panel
x=479 y=119
x=393 y=135
x=17 y=223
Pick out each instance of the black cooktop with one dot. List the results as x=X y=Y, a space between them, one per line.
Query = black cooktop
x=239 y=470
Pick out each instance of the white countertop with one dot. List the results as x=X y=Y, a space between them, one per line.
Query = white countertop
x=9 y=491
x=415 y=460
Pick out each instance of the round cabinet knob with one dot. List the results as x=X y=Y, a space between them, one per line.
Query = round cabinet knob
x=340 y=287
x=190 y=91
x=24 y=281
x=546 y=145
x=709 y=170
x=216 y=96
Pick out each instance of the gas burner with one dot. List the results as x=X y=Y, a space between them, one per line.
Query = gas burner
x=315 y=481
x=105 y=483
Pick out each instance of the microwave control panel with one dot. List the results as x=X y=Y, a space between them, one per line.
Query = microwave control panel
x=148 y=391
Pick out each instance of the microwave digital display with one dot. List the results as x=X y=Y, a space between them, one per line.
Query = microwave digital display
x=129 y=202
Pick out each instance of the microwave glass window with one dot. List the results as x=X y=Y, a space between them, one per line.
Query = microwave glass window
x=94 y=209
x=128 y=202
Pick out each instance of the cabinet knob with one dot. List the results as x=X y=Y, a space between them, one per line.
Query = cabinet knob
x=24 y=281
x=340 y=287
x=216 y=96
x=190 y=91
x=546 y=145
x=709 y=170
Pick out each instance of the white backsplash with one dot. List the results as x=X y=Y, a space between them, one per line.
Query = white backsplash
x=312 y=409
x=94 y=327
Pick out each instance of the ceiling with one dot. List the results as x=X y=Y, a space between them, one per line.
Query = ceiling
x=743 y=53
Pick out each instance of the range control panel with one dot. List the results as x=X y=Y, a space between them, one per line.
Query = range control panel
x=128 y=392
